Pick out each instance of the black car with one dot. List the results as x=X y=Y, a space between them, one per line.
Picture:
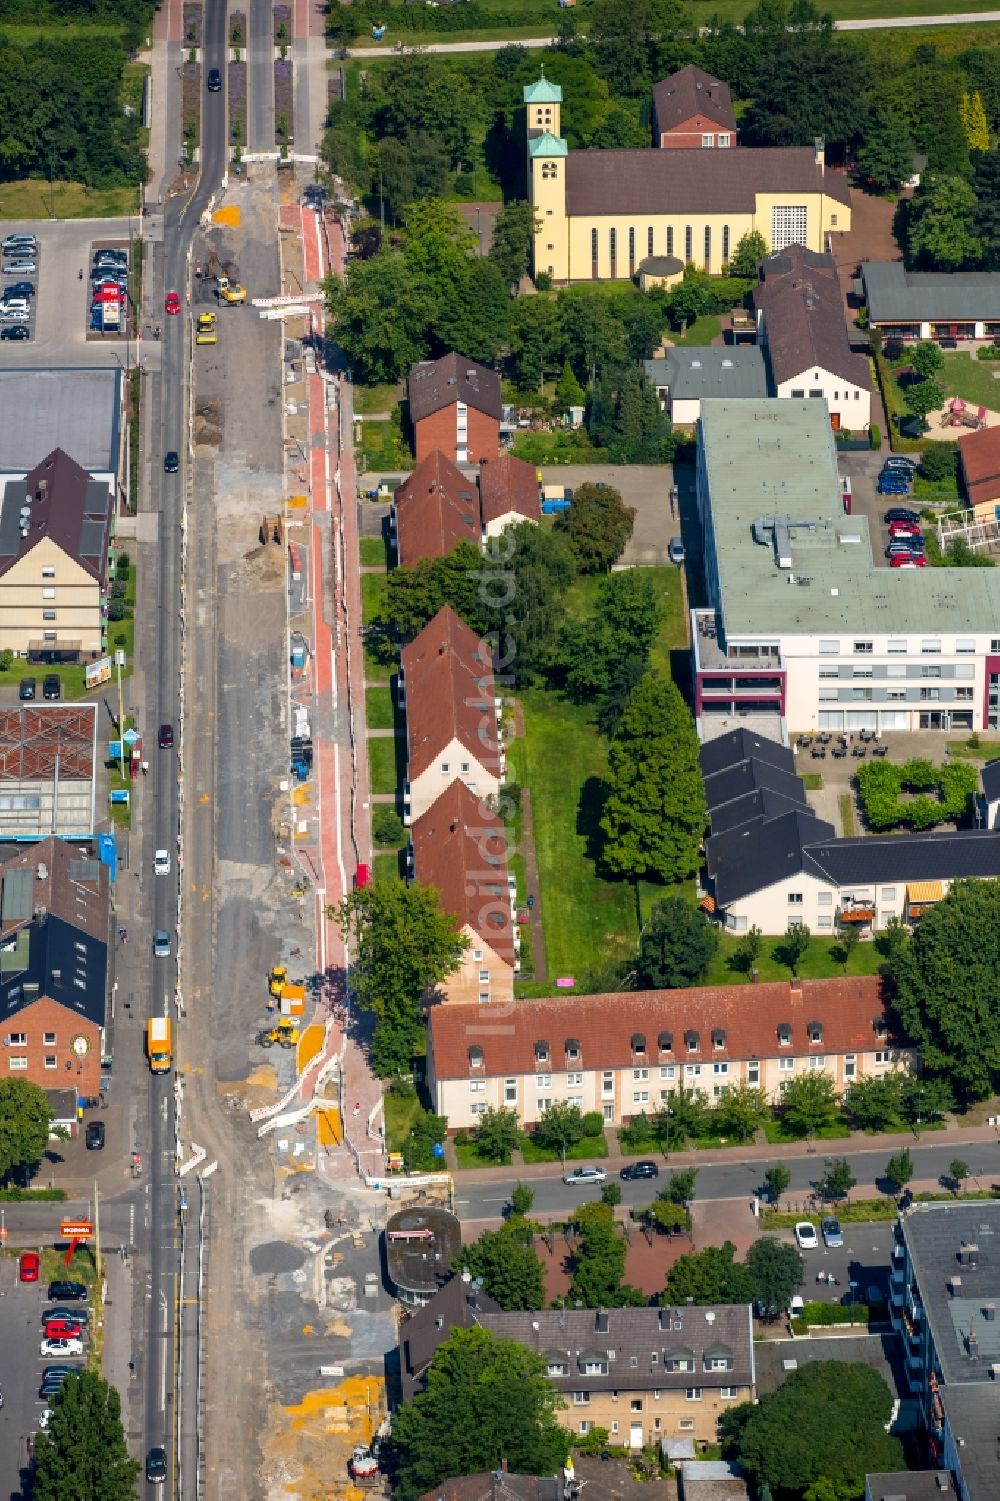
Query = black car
x=95 y=1136
x=171 y=461
x=639 y=1170
x=214 y=84
x=902 y=513
x=156 y=1466
x=166 y=736
x=15 y=331
x=27 y=689
x=67 y=1292
x=52 y=687
x=19 y=289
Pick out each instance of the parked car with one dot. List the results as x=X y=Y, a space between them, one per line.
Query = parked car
x=60 y=1329
x=214 y=82
x=78 y=1315
x=900 y=461
x=585 y=1175
x=906 y=546
x=805 y=1236
x=63 y=1347
x=26 y=691
x=28 y=1266
x=95 y=1136
x=51 y=687
x=18 y=289
x=908 y=560
x=639 y=1170
x=675 y=550
x=21 y=267
x=833 y=1236
x=891 y=484
x=15 y=331
x=902 y=513
x=19 y=238
x=71 y=1292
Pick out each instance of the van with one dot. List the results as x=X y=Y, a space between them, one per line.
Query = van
x=159 y=1049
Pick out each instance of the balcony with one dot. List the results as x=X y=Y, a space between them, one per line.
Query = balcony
x=857 y=912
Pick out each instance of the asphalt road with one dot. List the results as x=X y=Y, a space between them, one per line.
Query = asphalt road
x=738 y=1180
x=260 y=76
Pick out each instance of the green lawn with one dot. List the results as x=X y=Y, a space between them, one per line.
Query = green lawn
x=380 y=713
x=778 y=1133
x=817 y=964
x=381 y=447
x=401 y=1112
x=986 y=750
x=468 y=1156
x=388 y=866
x=372 y=594
x=373 y=552
x=376 y=398
x=587 y=1149
x=385 y=759
x=377 y=671
x=702 y=331
x=971 y=379
x=34 y=198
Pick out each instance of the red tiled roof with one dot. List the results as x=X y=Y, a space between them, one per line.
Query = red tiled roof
x=448 y=675
x=436 y=509
x=460 y=847
x=507 y=484
x=434 y=384
x=690 y=92
x=604 y=1025
x=980 y=454
x=696 y=182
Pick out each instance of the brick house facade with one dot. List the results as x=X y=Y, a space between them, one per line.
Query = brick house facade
x=455 y=408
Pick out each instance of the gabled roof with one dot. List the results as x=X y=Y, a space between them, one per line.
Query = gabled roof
x=60 y=502
x=751 y=776
x=508 y=484
x=674 y=1025
x=436 y=509
x=804 y=324
x=696 y=182
x=434 y=384
x=917 y=857
x=690 y=92
x=448 y=678
x=457 y=1306
x=895 y=295
x=460 y=848
x=980 y=455
x=762 y=804
x=54 y=917
x=758 y=855
x=740 y=745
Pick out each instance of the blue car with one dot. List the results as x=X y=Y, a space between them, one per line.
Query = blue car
x=888 y=484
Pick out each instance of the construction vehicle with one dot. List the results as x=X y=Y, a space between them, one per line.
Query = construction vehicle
x=159 y=1048
x=229 y=291
x=277 y=978
x=206 y=322
x=284 y=1035
x=363 y=1464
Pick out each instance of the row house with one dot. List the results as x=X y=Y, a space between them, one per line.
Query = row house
x=438 y=506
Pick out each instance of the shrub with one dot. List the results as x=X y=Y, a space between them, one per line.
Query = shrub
x=874 y=435
x=6 y=659
x=387 y=826
x=123 y=564
x=880 y=784
x=988 y=352
x=593 y=1124
x=939 y=463
x=543 y=281
x=116 y=609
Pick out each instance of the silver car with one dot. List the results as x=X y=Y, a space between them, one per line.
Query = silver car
x=833 y=1236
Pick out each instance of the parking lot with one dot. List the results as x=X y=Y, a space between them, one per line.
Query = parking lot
x=865 y=1258
x=60 y=324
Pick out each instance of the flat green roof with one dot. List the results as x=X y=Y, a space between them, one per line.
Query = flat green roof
x=776 y=458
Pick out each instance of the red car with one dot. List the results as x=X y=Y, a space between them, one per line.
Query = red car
x=904 y=529
x=28 y=1265
x=908 y=560
x=60 y=1329
x=173 y=302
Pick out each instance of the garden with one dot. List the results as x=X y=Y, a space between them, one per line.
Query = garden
x=915 y=794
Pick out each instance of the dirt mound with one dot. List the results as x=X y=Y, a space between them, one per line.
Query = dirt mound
x=207 y=424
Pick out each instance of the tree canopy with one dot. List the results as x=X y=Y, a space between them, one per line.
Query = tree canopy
x=598 y=1260
x=510 y=1270
x=25 y=1118
x=83 y=1452
x=675 y=946
x=597 y=526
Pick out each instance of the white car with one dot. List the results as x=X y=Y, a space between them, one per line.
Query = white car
x=43 y=1418
x=61 y=1347
x=585 y=1175
x=161 y=863
x=805 y=1236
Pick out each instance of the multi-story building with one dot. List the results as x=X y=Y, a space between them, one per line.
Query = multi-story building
x=626 y=1054
x=455 y=406
x=800 y=323
x=805 y=629
x=459 y=847
x=644 y=1374
x=686 y=375
x=948 y=305
x=56 y=526
x=693 y=110
x=944 y=1296
x=600 y=214
x=508 y=493
x=446 y=689
x=433 y=510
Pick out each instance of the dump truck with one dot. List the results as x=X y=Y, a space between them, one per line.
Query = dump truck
x=159 y=1046
x=284 y=1035
x=206 y=321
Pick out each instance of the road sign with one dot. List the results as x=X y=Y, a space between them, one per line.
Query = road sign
x=76 y=1229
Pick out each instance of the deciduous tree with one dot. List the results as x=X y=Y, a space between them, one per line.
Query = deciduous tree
x=837 y=1180
x=776 y=1270
x=598 y=1261
x=380 y=316
x=510 y=1270
x=809 y=1103
x=710 y=1276
x=511 y=245
x=597 y=527
x=941 y=233
x=873 y=1103
x=740 y=1112
x=776 y=1181
x=83 y=1452
x=885 y=156
x=899 y=1170
x=498 y=1132
x=25 y=1119
x=751 y=248
x=559 y=1128
x=675 y=946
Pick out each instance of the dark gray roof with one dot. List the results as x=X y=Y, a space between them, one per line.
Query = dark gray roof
x=895 y=295
x=762 y=804
x=751 y=776
x=934 y=1236
x=434 y=384
x=973 y=1415
x=696 y=182
x=917 y=857
x=739 y=745
x=794 y=258
x=778 y=1358
x=422 y=1265
x=912 y=1485
x=78 y=410
x=50 y=958
x=661 y=265
x=497 y=1485
x=456 y=1306
x=804 y=325
x=758 y=855
x=991 y=780
x=691 y=373
x=690 y=92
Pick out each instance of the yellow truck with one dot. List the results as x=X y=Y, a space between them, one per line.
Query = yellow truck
x=204 y=332
x=230 y=291
x=159 y=1044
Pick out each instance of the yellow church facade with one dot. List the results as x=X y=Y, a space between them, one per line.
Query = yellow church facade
x=600 y=214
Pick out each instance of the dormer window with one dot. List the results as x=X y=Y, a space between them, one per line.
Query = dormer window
x=572 y=1050
x=638 y=1042
x=718 y=1037
x=815 y=1031
x=784 y=1034
x=691 y=1041
x=880 y=1026
x=541 y=1052
x=476 y=1059
x=665 y=1042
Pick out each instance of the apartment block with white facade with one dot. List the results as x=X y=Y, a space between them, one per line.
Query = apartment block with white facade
x=805 y=630
x=626 y=1054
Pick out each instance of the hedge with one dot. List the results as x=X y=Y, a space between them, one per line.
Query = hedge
x=880 y=784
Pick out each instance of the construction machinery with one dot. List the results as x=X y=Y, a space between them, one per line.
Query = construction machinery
x=284 y=1035
x=206 y=322
x=229 y=291
x=277 y=978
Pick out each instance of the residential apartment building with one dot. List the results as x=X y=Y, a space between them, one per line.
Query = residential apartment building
x=624 y=1055
x=944 y=1293
x=600 y=214
x=770 y=860
x=446 y=689
x=693 y=111
x=644 y=1374
x=455 y=407
x=459 y=847
x=433 y=510
x=687 y=375
x=801 y=326
x=804 y=630
x=54 y=916
x=56 y=526
x=930 y=304
x=508 y=493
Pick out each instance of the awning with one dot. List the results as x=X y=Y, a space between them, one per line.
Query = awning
x=857 y=914
x=925 y=891
x=707 y=904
